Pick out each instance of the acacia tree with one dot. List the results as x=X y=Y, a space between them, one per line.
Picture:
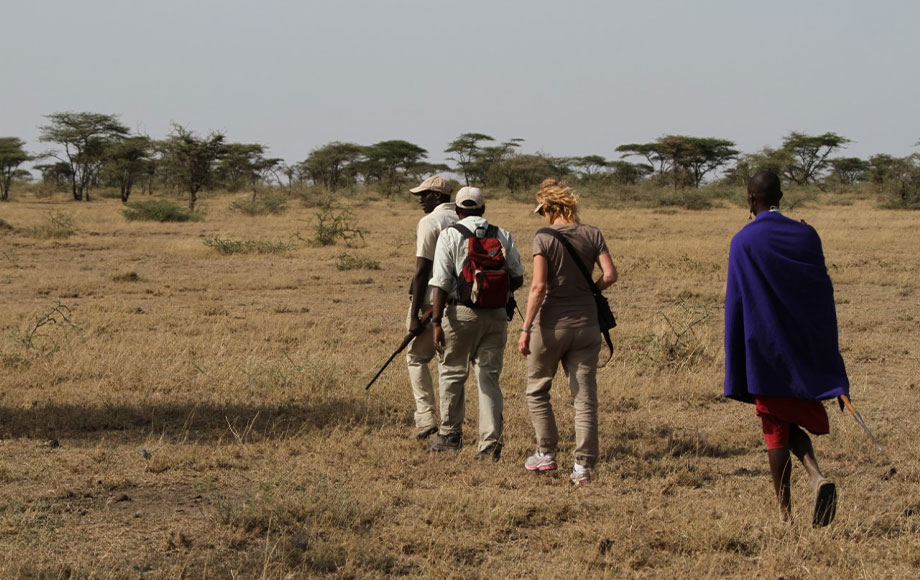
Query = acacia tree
x=468 y=154
x=423 y=169
x=686 y=160
x=85 y=138
x=245 y=164
x=390 y=162
x=849 y=170
x=881 y=167
x=590 y=166
x=190 y=160
x=127 y=160
x=902 y=182
x=707 y=154
x=491 y=160
x=807 y=155
x=333 y=165
x=12 y=155
x=626 y=173
x=525 y=170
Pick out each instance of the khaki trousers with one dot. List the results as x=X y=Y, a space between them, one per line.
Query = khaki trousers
x=418 y=355
x=478 y=337
x=577 y=349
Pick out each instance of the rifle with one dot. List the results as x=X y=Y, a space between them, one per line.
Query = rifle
x=426 y=317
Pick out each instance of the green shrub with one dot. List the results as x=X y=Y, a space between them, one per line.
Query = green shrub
x=798 y=198
x=58 y=225
x=316 y=197
x=272 y=204
x=158 y=210
x=332 y=227
x=349 y=262
x=246 y=246
x=687 y=199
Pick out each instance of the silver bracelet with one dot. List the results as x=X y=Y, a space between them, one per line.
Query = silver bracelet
x=526 y=330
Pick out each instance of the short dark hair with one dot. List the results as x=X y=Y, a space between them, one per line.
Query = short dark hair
x=765 y=187
x=463 y=212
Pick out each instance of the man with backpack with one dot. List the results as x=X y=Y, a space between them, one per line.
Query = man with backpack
x=476 y=268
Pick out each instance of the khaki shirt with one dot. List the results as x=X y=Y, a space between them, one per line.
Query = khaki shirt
x=427 y=232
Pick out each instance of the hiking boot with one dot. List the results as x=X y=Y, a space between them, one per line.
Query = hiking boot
x=580 y=477
x=426 y=432
x=449 y=442
x=493 y=452
x=540 y=461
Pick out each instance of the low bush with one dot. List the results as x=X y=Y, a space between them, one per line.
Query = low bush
x=126 y=277
x=227 y=246
x=685 y=198
x=57 y=226
x=349 y=262
x=272 y=204
x=332 y=227
x=158 y=210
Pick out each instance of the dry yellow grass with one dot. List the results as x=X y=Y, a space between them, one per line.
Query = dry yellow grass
x=204 y=415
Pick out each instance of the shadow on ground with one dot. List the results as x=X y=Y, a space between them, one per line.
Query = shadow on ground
x=193 y=421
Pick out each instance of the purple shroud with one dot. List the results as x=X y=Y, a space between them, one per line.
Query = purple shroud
x=780 y=321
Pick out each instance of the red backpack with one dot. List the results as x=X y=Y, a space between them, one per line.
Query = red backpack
x=484 y=281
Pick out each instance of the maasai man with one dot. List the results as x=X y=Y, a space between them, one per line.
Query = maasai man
x=781 y=350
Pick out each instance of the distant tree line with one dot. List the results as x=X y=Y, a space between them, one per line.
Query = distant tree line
x=96 y=150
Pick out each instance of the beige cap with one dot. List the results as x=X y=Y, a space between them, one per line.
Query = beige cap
x=436 y=183
x=470 y=198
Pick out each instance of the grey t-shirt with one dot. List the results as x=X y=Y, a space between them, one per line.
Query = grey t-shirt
x=569 y=302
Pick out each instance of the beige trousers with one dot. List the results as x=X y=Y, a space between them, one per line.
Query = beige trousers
x=478 y=337
x=577 y=349
x=418 y=354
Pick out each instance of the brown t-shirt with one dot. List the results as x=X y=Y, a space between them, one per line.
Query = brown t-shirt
x=569 y=302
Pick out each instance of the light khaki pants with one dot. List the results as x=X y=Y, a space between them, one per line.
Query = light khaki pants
x=478 y=337
x=577 y=349
x=418 y=355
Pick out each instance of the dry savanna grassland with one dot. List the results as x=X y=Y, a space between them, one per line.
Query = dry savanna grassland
x=185 y=400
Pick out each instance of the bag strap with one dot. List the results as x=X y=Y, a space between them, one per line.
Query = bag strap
x=584 y=271
x=571 y=249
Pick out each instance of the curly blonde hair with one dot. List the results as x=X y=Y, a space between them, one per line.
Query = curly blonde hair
x=558 y=198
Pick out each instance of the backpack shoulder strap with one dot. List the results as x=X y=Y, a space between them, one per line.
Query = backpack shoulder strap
x=491 y=231
x=464 y=231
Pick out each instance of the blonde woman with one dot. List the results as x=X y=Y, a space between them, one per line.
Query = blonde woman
x=561 y=326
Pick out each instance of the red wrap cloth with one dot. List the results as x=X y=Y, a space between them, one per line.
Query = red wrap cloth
x=778 y=413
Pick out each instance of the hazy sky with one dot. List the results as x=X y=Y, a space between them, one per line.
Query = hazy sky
x=571 y=78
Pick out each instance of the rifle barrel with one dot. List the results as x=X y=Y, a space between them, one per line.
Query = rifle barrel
x=426 y=317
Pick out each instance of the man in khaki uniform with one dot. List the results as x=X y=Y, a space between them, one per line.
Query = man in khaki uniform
x=464 y=335
x=434 y=197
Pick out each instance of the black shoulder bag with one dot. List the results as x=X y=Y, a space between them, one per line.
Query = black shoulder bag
x=605 y=318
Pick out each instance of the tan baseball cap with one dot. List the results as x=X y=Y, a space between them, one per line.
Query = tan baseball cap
x=470 y=198
x=436 y=183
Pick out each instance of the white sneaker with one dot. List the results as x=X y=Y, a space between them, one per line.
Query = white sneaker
x=540 y=461
x=580 y=475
